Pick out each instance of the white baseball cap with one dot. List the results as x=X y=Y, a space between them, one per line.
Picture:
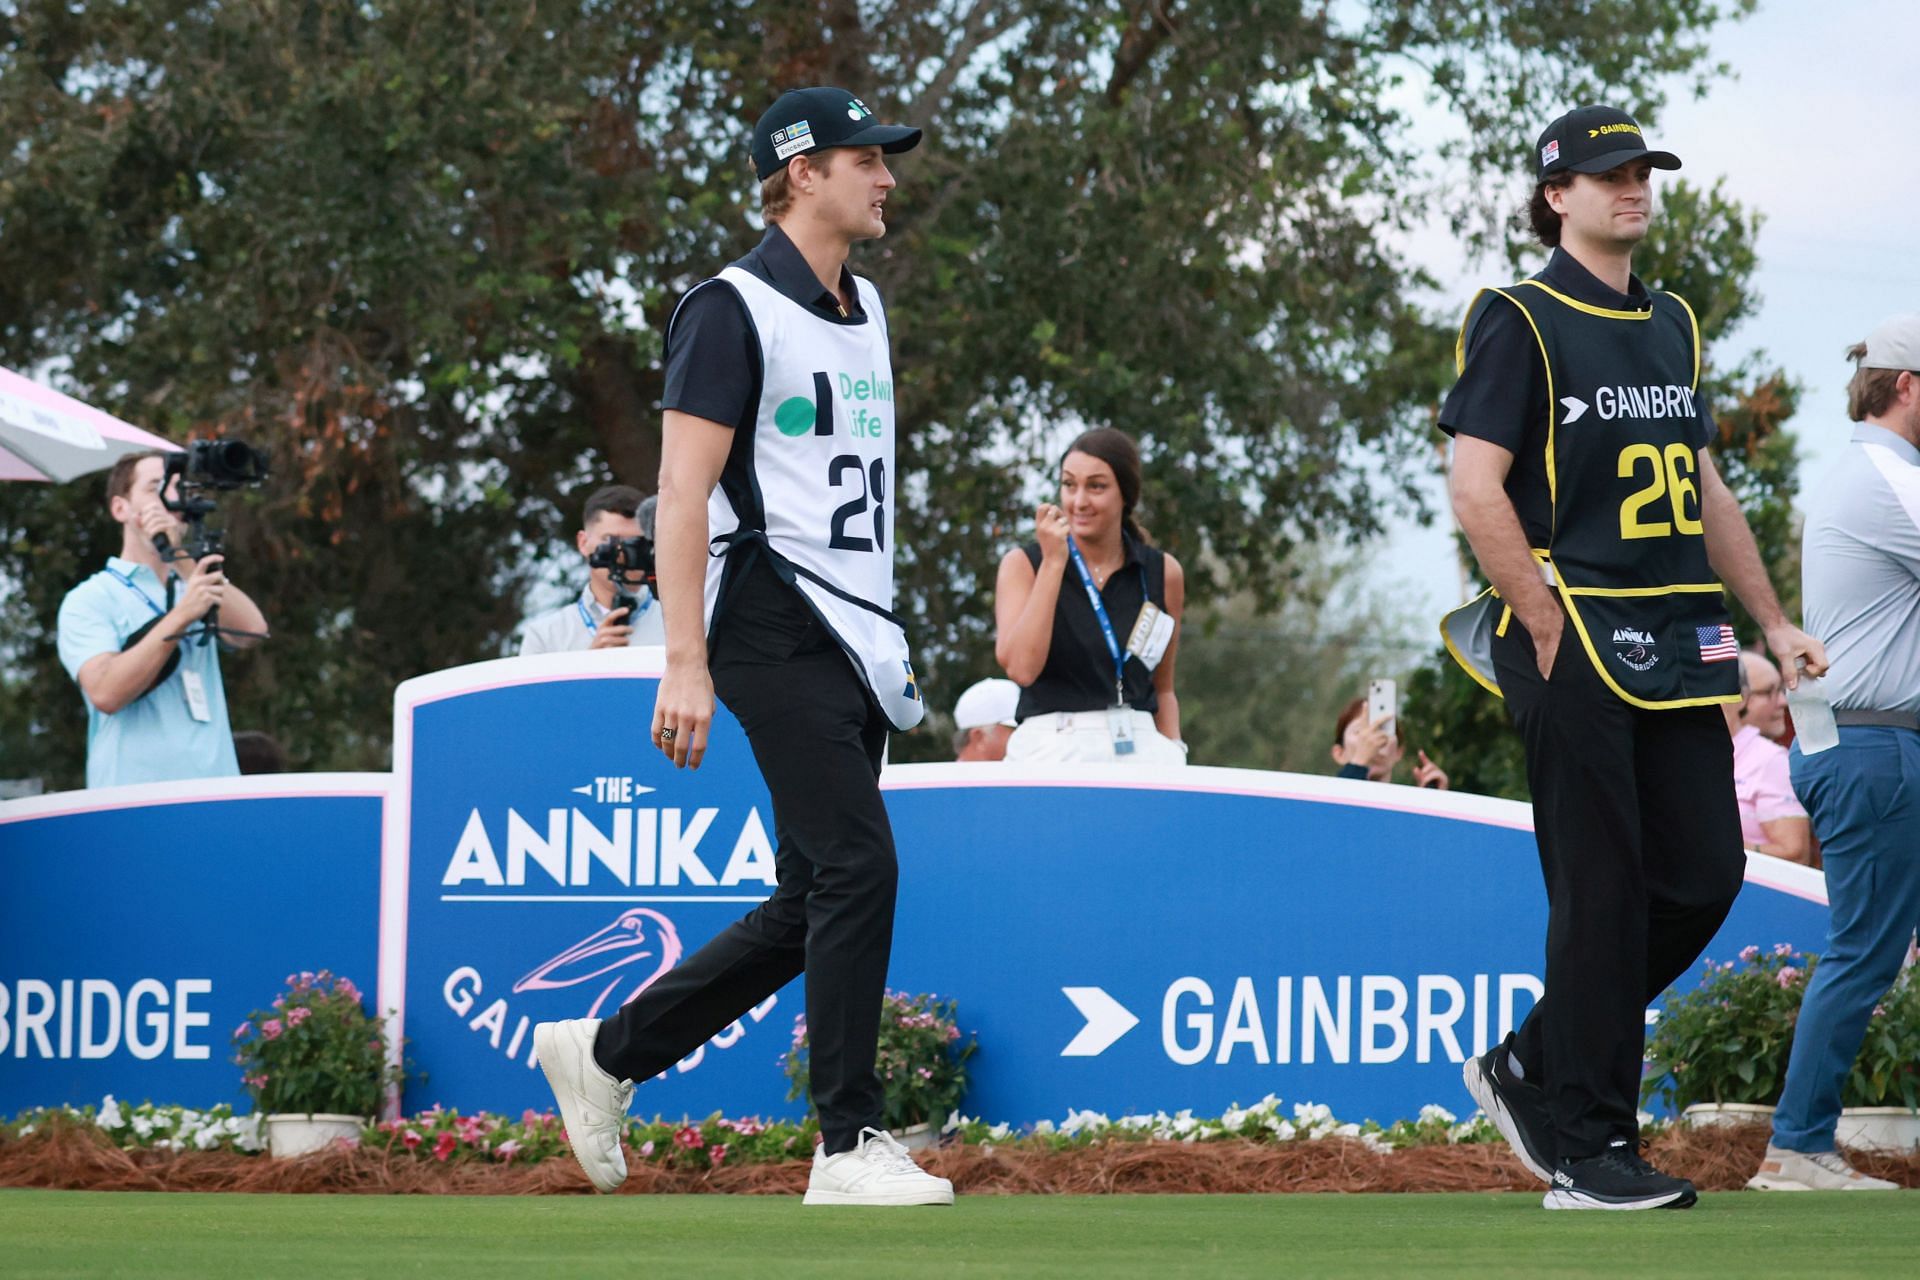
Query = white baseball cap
x=1894 y=345
x=988 y=702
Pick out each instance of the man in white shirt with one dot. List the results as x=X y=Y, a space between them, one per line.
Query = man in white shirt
x=591 y=621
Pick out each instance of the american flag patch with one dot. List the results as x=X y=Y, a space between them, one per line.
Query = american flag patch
x=1717 y=643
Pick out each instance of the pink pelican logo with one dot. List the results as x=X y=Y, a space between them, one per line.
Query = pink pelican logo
x=637 y=935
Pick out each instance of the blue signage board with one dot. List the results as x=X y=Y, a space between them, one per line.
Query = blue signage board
x=1121 y=939
x=545 y=862
x=142 y=924
x=1128 y=942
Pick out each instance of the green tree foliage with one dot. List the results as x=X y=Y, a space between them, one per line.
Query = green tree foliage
x=1702 y=247
x=425 y=251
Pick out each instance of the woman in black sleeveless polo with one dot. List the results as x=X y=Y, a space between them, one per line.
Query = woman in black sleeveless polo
x=1088 y=618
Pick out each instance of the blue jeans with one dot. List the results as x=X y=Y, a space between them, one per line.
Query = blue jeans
x=1864 y=798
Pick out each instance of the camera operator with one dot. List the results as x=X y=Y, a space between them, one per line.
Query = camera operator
x=130 y=637
x=594 y=621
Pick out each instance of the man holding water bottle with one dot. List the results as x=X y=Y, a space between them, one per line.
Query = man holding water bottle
x=1856 y=760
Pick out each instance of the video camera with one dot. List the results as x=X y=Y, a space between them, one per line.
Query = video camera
x=629 y=562
x=216 y=465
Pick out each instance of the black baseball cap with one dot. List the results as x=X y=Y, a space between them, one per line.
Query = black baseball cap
x=1594 y=140
x=803 y=121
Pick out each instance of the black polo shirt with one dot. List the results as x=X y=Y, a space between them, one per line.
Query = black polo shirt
x=714 y=372
x=1078 y=675
x=1501 y=396
x=713 y=358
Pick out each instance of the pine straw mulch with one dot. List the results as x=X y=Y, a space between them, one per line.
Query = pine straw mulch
x=73 y=1156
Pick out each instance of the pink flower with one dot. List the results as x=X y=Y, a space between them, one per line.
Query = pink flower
x=953 y=1033
x=1782 y=949
x=298 y=1016
x=445 y=1147
x=529 y=1117
x=1750 y=954
x=925 y=1074
x=689 y=1137
x=646 y=1149
x=748 y=1127
x=1879 y=1011
x=506 y=1150
x=718 y=1156
x=271 y=1028
x=240 y=1032
x=1787 y=975
x=345 y=987
x=410 y=1139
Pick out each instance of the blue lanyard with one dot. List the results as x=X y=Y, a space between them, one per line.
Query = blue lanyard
x=593 y=626
x=1114 y=650
x=138 y=590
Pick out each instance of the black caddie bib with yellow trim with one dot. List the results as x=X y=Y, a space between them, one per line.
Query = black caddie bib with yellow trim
x=1627 y=552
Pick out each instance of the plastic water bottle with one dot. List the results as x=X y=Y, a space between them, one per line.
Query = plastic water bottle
x=1813 y=726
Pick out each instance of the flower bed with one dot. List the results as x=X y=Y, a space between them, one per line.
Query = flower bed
x=1262 y=1148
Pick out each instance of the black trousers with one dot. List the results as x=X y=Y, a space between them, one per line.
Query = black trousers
x=817 y=738
x=1639 y=837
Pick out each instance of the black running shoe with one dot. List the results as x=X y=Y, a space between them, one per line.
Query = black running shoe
x=1518 y=1108
x=1617 y=1178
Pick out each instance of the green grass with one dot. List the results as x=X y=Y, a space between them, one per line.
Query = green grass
x=62 y=1233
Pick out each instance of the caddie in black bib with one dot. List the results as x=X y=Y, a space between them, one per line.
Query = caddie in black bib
x=1627 y=550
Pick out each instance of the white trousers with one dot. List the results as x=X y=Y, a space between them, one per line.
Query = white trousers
x=1083 y=736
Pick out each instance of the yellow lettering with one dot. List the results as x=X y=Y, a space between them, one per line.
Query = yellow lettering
x=1631 y=526
x=1680 y=464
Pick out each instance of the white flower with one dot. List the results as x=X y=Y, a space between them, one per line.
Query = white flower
x=207 y=1139
x=142 y=1127
x=1432 y=1112
x=1346 y=1131
x=1041 y=1127
x=1000 y=1132
x=1374 y=1142
x=1088 y=1121
x=110 y=1117
x=1234 y=1117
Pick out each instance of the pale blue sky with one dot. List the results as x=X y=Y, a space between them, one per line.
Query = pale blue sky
x=1816 y=133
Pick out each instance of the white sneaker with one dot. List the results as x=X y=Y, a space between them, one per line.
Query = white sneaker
x=879 y=1171
x=593 y=1105
x=1783 y=1170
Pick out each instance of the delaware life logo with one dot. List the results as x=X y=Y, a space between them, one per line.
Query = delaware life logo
x=578 y=907
x=861 y=392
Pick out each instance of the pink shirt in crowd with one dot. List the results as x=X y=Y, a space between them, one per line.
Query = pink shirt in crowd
x=1761 y=784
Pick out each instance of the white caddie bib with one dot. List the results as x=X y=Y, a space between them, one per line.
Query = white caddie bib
x=822 y=482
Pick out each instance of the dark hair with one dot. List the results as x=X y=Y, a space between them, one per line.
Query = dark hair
x=1871 y=392
x=258 y=752
x=1541 y=215
x=1117 y=449
x=619 y=499
x=120 y=479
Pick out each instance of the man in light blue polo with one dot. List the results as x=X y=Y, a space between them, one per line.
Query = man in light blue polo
x=156 y=706
x=1860 y=571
